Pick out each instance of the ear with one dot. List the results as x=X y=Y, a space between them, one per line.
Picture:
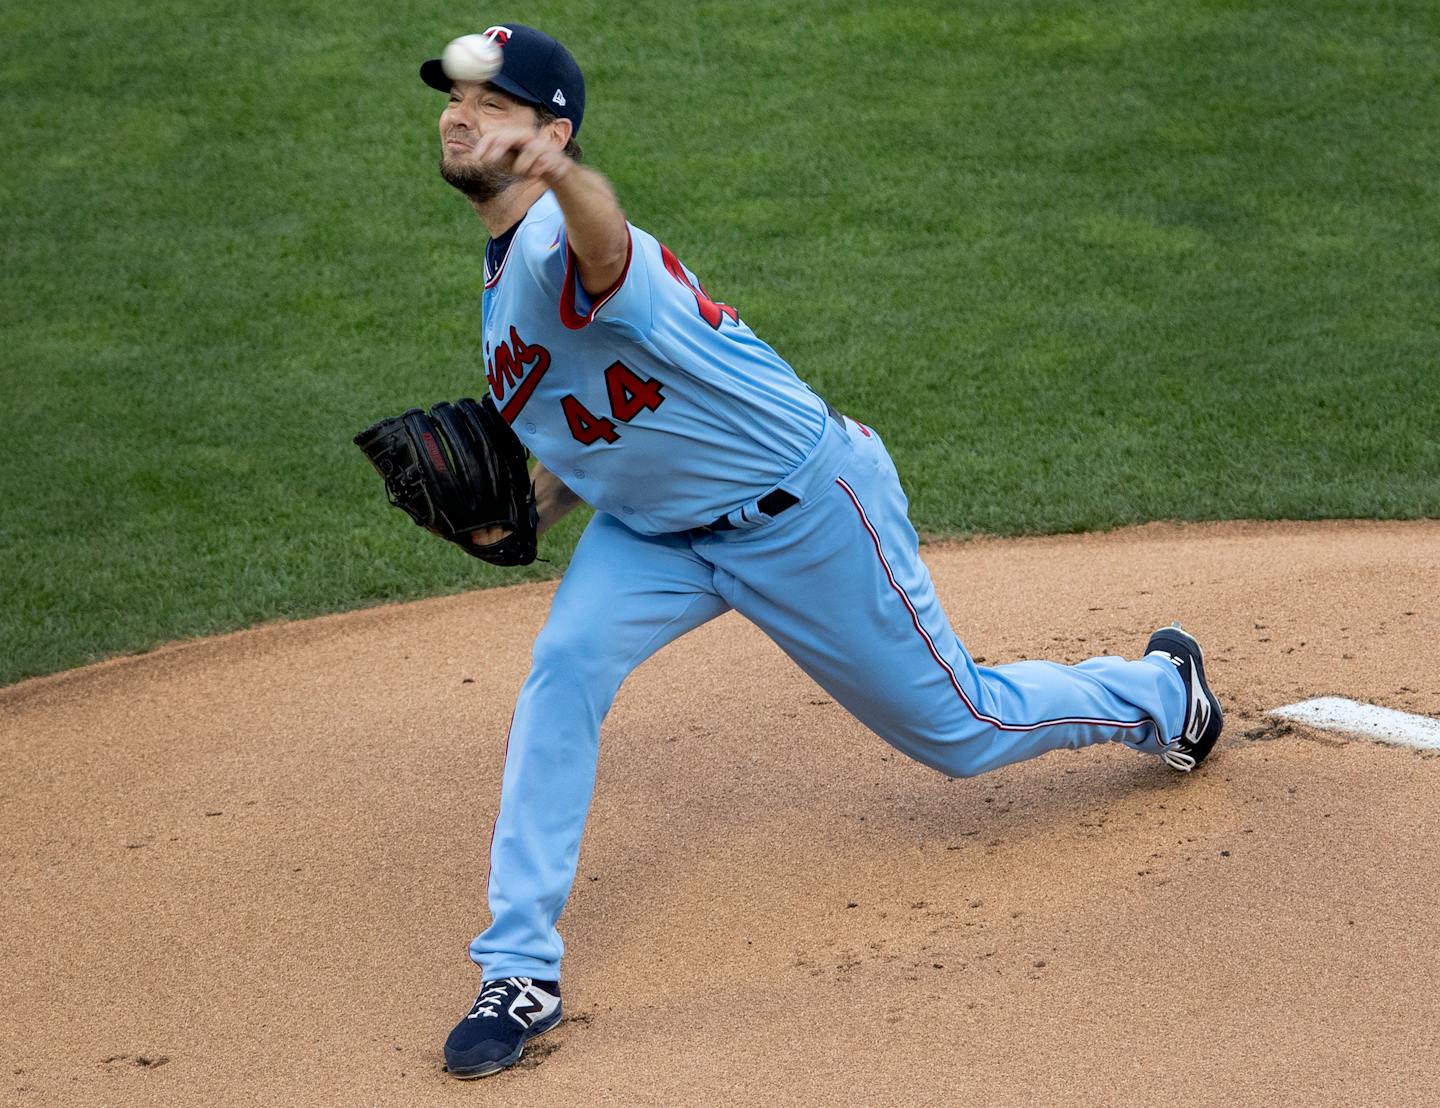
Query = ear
x=561 y=129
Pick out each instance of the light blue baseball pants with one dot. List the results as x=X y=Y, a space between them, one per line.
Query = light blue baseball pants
x=838 y=583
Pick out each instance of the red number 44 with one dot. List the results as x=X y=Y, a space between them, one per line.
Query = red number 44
x=711 y=311
x=630 y=394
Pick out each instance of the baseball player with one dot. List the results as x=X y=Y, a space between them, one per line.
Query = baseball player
x=720 y=481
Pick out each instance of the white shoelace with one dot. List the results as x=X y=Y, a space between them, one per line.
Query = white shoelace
x=491 y=997
x=1179 y=759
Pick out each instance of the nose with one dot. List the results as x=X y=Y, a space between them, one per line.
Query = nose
x=453 y=118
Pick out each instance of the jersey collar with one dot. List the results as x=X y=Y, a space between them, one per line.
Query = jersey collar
x=497 y=250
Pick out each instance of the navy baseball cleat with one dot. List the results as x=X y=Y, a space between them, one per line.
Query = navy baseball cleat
x=507 y=1014
x=1203 y=718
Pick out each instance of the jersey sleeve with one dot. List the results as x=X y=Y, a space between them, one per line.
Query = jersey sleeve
x=625 y=306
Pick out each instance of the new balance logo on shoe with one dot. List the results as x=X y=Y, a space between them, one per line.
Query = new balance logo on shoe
x=531 y=1005
x=1203 y=719
x=508 y=1013
x=1199 y=708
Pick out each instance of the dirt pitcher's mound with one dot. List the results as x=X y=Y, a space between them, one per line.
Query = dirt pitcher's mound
x=244 y=871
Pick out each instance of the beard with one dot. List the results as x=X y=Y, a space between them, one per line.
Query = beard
x=478 y=182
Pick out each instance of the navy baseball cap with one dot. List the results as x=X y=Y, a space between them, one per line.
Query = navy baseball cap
x=535 y=68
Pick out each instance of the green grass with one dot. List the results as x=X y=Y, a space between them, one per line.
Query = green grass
x=1083 y=263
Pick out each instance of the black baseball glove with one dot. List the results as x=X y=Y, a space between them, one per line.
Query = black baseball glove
x=457 y=470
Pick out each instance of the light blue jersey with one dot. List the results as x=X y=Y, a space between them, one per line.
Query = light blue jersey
x=652 y=402
x=659 y=407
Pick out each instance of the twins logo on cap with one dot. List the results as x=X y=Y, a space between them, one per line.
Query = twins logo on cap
x=536 y=69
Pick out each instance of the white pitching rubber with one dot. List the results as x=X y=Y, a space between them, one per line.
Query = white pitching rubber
x=1386 y=725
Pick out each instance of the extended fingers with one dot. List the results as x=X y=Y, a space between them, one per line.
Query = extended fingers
x=538 y=158
x=497 y=146
x=522 y=152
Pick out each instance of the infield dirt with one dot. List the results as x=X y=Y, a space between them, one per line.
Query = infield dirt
x=245 y=870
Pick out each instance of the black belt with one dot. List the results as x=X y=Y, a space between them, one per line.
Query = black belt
x=772 y=504
x=776 y=500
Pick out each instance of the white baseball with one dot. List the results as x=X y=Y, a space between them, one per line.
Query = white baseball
x=471 y=58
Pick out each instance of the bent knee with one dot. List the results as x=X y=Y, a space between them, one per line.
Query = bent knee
x=965 y=757
x=576 y=654
x=959 y=764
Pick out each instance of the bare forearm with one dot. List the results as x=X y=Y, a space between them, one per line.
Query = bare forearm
x=594 y=226
x=553 y=498
x=553 y=501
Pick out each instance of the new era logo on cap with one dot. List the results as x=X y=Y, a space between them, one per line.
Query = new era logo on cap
x=558 y=98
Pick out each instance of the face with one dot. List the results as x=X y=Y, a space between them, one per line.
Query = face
x=476 y=108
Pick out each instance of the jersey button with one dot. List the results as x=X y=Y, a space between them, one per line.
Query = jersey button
x=629 y=511
x=530 y=427
x=579 y=473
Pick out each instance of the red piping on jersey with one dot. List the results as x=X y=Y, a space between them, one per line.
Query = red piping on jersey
x=568 y=315
x=934 y=653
